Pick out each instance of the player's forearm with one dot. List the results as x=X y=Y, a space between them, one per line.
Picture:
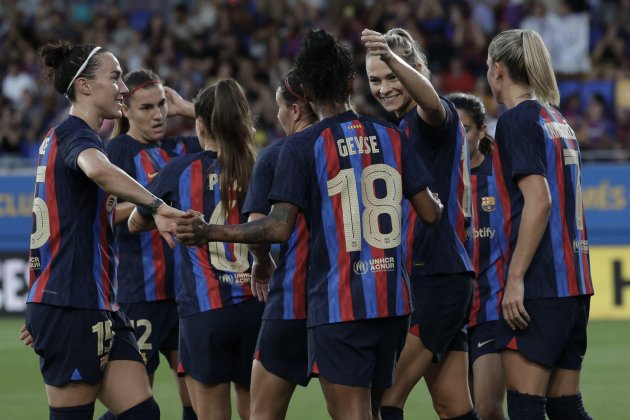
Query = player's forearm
x=420 y=89
x=123 y=211
x=263 y=231
x=137 y=223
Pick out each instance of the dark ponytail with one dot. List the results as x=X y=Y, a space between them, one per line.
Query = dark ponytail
x=225 y=113
x=61 y=61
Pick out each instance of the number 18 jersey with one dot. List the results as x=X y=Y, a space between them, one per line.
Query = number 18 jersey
x=348 y=174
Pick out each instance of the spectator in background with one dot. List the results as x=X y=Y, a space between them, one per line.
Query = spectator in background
x=596 y=130
x=16 y=82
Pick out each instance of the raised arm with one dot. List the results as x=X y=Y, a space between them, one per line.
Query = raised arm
x=276 y=227
x=178 y=105
x=430 y=108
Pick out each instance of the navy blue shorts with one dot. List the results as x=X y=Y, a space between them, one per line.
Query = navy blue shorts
x=157 y=329
x=442 y=304
x=556 y=334
x=217 y=346
x=282 y=349
x=358 y=353
x=481 y=339
x=74 y=345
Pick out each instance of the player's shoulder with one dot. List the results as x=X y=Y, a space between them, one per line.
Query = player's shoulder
x=74 y=128
x=118 y=143
x=178 y=164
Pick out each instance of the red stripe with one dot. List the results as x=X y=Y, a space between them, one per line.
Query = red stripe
x=164 y=155
x=203 y=253
x=504 y=198
x=474 y=311
x=104 y=248
x=343 y=258
x=380 y=277
x=53 y=216
x=299 y=278
x=567 y=248
x=147 y=166
x=396 y=142
x=159 y=267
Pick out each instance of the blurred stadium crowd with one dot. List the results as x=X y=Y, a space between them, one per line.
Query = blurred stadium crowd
x=191 y=43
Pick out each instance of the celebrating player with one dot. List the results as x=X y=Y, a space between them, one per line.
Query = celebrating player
x=348 y=175
x=72 y=312
x=441 y=272
x=281 y=352
x=147 y=274
x=487 y=236
x=219 y=319
x=548 y=283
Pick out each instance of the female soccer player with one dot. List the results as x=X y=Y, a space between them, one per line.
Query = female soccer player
x=548 y=283
x=219 y=319
x=281 y=352
x=441 y=272
x=72 y=312
x=348 y=175
x=487 y=243
x=147 y=274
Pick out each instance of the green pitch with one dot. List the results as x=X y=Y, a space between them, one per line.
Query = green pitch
x=604 y=378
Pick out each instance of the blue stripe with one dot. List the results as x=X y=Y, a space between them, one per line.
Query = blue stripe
x=453 y=199
x=200 y=280
x=177 y=269
x=148 y=267
x=290 y=263
x=329 y=228
x=555 y=220
x=157 y=156
x=141 y=176
x=97 y=262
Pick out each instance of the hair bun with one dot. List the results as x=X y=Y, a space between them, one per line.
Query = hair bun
x=319 y=41
x=54 y=53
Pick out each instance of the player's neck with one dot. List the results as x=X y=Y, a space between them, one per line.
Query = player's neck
x=331 y=110
x=515 y=94
x=90 y=118
x=210 y=144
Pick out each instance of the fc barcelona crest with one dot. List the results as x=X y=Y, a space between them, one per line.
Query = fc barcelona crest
x=488 y=204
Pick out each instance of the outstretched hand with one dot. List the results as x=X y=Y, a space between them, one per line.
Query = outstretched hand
x=261 y=274
x=164 y=221
x=376 y=44
x=191 y=229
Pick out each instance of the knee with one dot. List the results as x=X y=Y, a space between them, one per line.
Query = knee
x=490 y=409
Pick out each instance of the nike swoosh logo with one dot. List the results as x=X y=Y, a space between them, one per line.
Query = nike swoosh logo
x=483 y=343
x=153 y=175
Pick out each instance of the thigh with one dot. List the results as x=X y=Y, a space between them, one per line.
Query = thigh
x=210 y=402
x=488 y=381
x=347 y=402
x=448 y=384
x=270 y=394
x=523 y=375
x=125 y=384
x=563 y=382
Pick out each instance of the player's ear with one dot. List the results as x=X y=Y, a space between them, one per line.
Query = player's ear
x=296 y=112
x=200 y=128
x=125 y=110
x=83 y=85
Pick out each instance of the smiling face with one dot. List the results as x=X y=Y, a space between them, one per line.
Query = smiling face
x=386 y=87
x=146 y=111
x=107 y=88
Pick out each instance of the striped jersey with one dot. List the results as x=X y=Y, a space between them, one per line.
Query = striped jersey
x=348 y=174
x=218 y=274
x=533 y=139
x=487 y=241
x=72 y=256
x=146 y=268
x=440 y=249
x=287 y=287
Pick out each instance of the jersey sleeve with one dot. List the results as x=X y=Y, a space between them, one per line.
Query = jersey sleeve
x=437 y=134
x=524 y=147
x=71 y=146
x=257 y=200
x=415 y=175
x=290 y=180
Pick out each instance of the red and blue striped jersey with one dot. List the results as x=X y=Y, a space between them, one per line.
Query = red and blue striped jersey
x=348 y=174
x=147 y=271
x=72 y=256
x=487 y=241
x=440 y=249
x=216 y=275
x=287 y=288
x=533 y=139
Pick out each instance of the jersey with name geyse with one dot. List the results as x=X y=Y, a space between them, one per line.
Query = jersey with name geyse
x=487 y=241
x=533 y=139
x=218 y=274
x=348 y=174
x=440 y=249
x=287 y=287
x=72 y=253
x=146 y=268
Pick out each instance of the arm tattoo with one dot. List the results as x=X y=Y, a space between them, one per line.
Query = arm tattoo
x=276 y=227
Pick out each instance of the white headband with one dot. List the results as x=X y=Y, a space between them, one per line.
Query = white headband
x=85 y=63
